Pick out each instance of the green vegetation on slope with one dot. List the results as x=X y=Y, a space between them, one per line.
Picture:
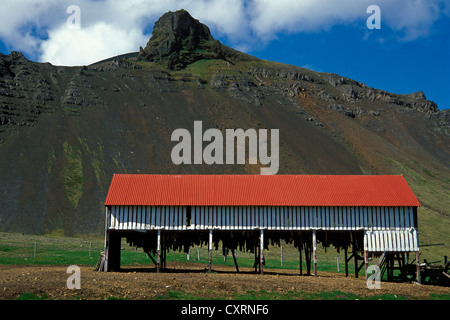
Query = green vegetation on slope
x=73 y=173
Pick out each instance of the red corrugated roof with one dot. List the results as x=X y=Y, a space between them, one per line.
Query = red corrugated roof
x=260 y=190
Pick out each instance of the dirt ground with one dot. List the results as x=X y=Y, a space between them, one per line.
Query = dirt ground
x=141 y=283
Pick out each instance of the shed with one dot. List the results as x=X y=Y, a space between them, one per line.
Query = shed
x=371 y=214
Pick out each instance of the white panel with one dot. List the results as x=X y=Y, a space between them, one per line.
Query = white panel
x=177 y=218
x=112 y=218
x=330 y=215
x=147 y=218
x=124 y=216
x=121 y=217
x=370 y=217
x=396 y=218
x=410 y=238
x=138 y=217
x=159 y=217
x=280 y=214
x=220 y=221
x=312 y=217
x=391 y=218
x=407 y=218
x=402 y=218
x=345 y=219
x=364 y=214
x=168 y=215
x=352 y=218
x=215 y=221
x=207 y=213
x=133 y=218
x=272 y=218
x=124 y=213
x=164 y=216
x=174 y=220
x=226 y=217
x=367 y=238
x=202 y=217
x=304 y=214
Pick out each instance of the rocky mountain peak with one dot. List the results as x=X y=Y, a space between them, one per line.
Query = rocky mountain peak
x=178 y=40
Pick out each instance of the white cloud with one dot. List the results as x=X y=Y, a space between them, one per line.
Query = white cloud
x=111 y=26
x=90 y=44
x=409 y=19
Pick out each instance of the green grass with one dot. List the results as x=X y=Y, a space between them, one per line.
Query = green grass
x=73 y=173
x=289 y=295
x=32 y=296
x=49 y=249
x=431 y=187
x=258 y=295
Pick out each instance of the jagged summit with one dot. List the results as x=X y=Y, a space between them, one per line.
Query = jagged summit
x=178 y=40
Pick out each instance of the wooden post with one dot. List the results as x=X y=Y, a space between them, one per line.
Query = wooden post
x=300 y=254
x=308 y=258
x=107 y=222
x=261 y=252
x=418 y=266
x=355 y=256
x=366 y=262
x=233 y=253
x=346 y=262
x=256 y=258
x=210 y=249
x=158 y=250
x=314 y=243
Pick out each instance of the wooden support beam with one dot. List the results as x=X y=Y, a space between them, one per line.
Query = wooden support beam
x=234 y=258
x=256 y=259
x=158 y=250
x=210 y=249
x=314 y=243
x=366 y=262
x=151 y=258
x=418 y=267
x=300 y=254
x=308 y=258
x=108 y=222
x=346 y=261
x=261 y=252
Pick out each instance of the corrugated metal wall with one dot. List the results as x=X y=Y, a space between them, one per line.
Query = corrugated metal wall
x=385 y=228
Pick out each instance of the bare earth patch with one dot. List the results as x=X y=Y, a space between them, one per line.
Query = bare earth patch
x=143 y=283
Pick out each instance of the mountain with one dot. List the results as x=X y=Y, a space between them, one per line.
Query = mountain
x=64 y=131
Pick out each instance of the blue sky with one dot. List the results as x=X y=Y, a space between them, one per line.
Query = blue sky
x=409 y=53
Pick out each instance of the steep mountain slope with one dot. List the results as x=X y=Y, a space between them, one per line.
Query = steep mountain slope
x=65 y=130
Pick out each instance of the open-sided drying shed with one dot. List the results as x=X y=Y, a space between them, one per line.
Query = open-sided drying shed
x=371 y=214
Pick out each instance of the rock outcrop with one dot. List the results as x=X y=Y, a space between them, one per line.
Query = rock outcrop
x=178 y=40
